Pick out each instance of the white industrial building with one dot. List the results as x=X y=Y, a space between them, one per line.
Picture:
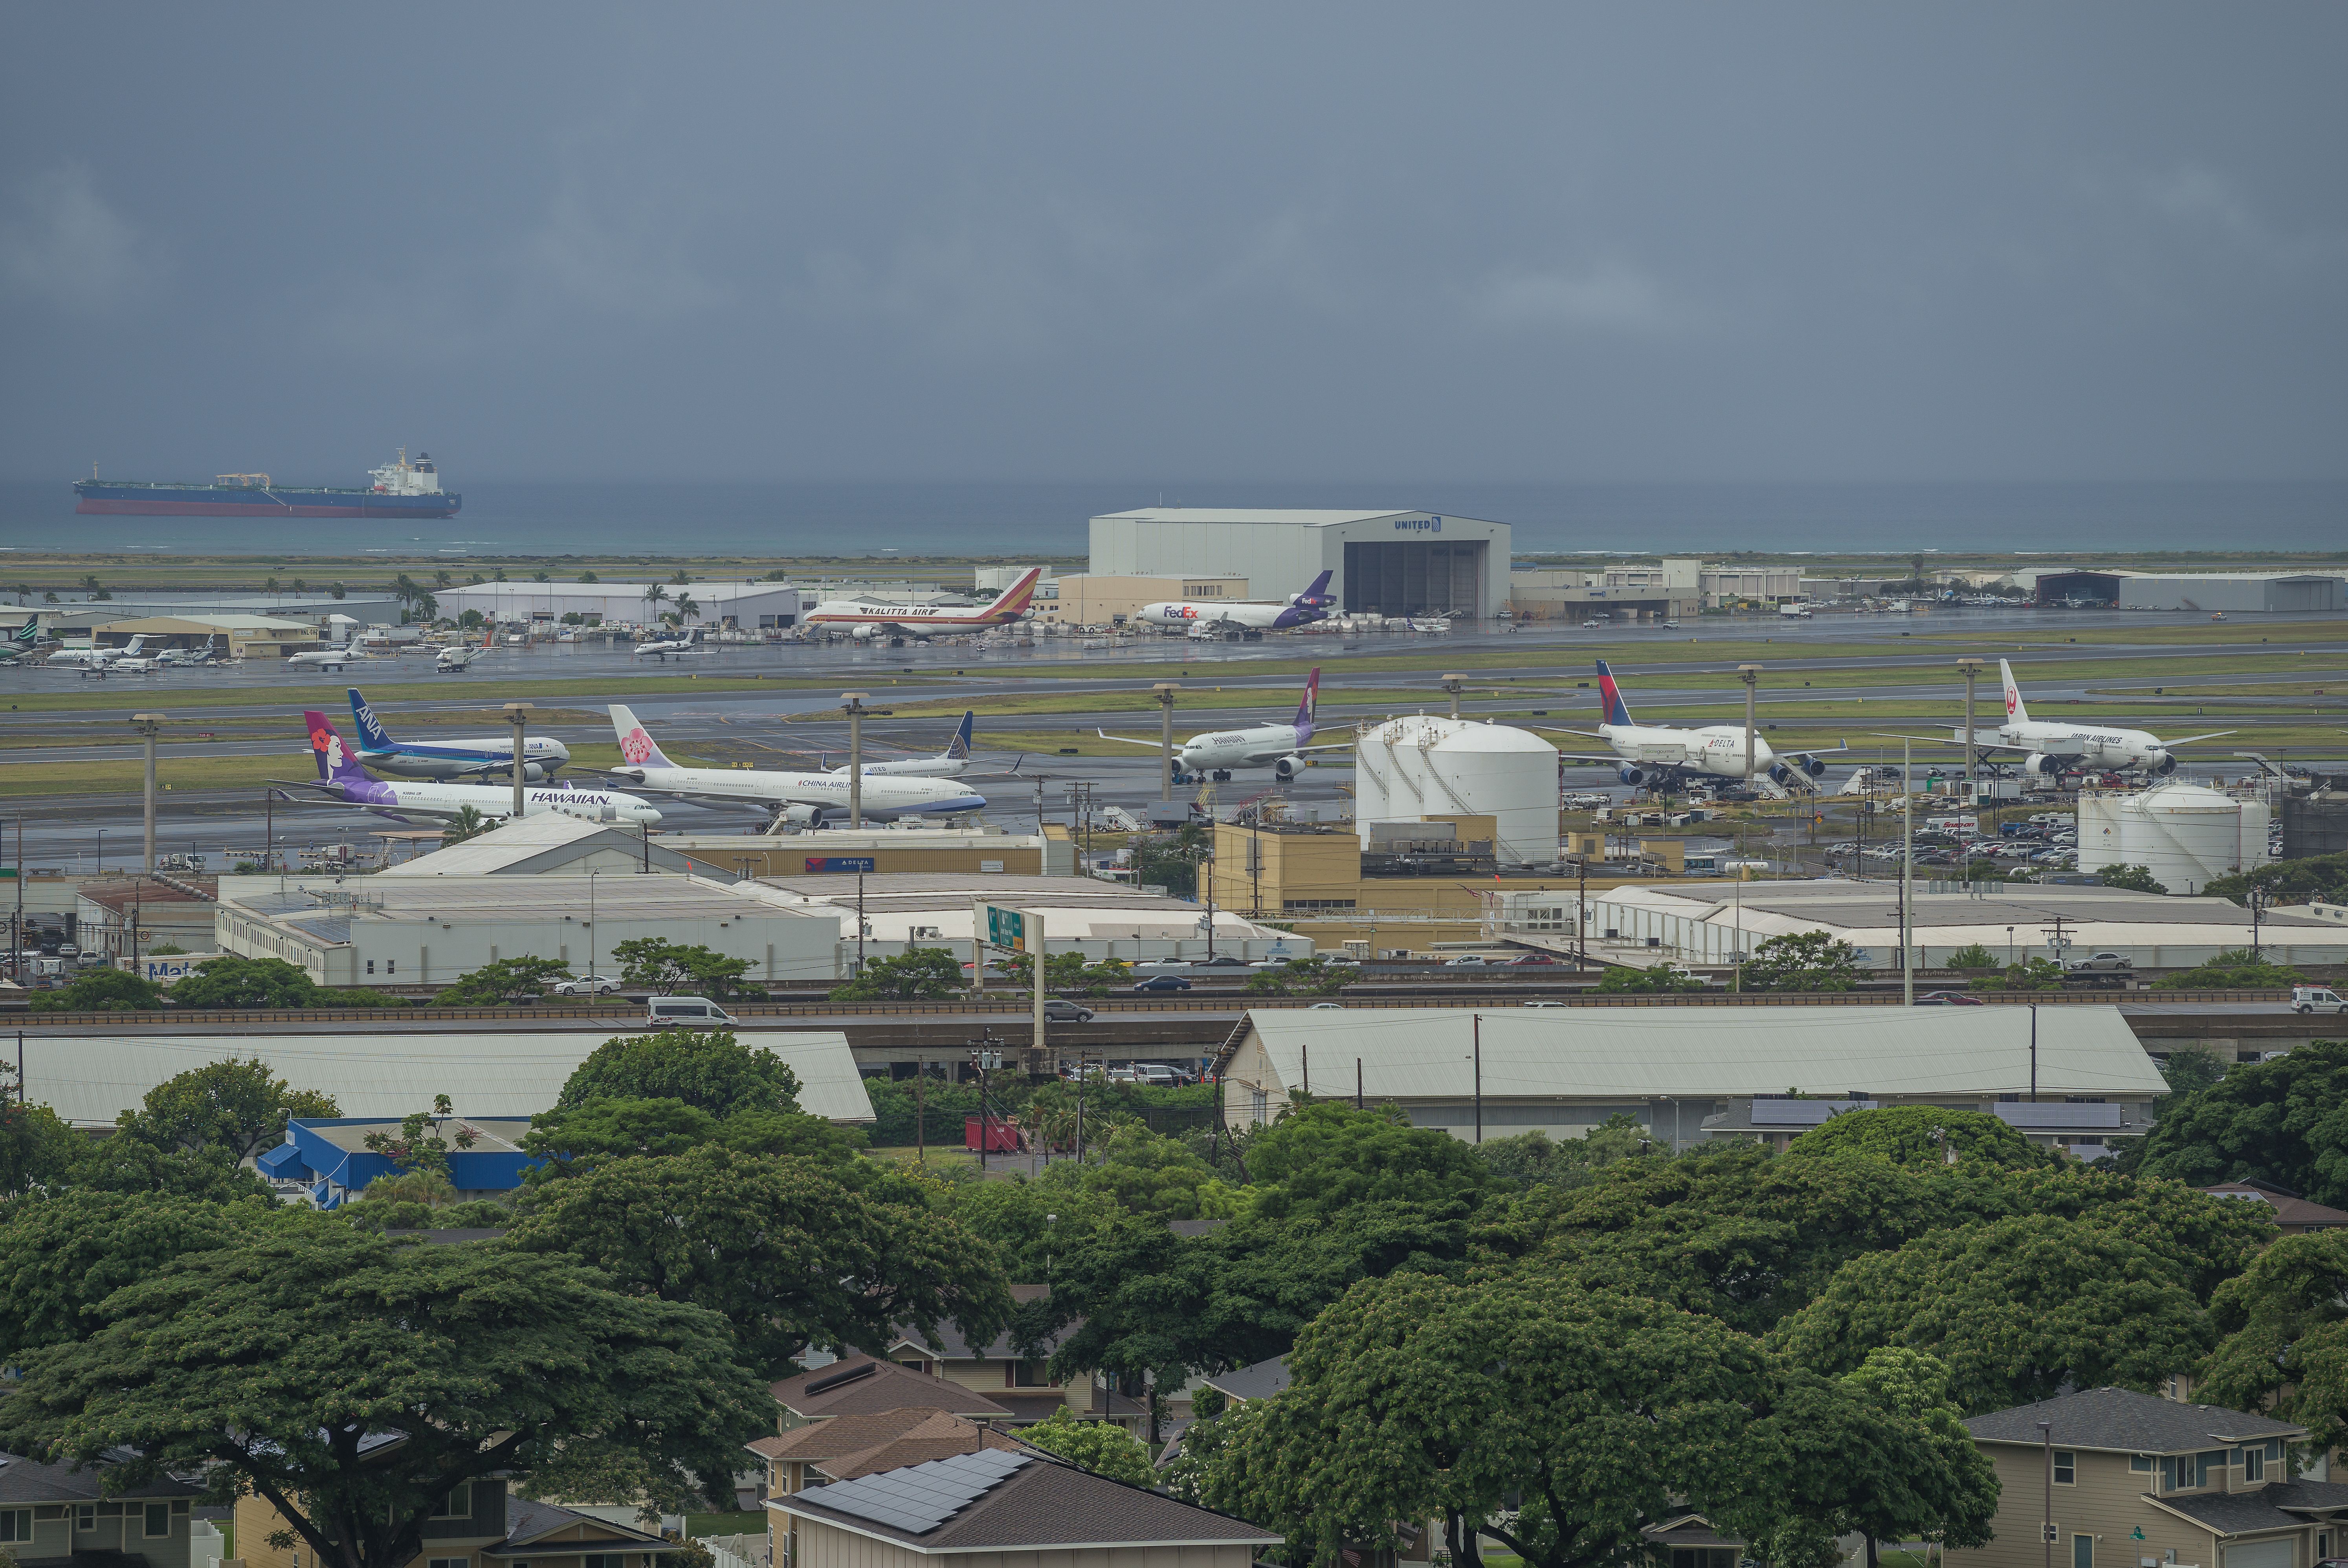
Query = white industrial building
x=746 y=606
x=423 y=931
x=1663 y=591
x=2185 y=835
x=89 y=1080
x=1713 y=925
x=1419 y=766
x=1384 y=563
x=1563 y=1071
x=2290 y=592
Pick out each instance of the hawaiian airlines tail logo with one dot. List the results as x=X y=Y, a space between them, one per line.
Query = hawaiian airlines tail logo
x=329 y=747
x=636 y=747
x=1304 y=710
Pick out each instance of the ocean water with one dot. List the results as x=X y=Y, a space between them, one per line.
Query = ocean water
x=795 y=518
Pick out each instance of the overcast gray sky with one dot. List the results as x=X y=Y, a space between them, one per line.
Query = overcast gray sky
x=1619 y=242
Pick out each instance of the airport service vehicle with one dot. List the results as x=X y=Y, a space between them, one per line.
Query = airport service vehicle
x=585 y=986
x=462 y=758
x=867 y=622
x=1280 y=747
x=454 y=659
x=660 y=648
x=2316 y=998
x=2057 y=747
x=948 y=763
x=1162 y=983
x=401 y=490
x=1067 y=1011
x=799 y=798
x=342 y=780
x=1794 y=611
x=687 y=1012
x=1660 y=756
x=1242 y=615
x=95 y=658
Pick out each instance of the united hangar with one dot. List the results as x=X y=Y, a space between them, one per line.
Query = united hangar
x=1386 y=563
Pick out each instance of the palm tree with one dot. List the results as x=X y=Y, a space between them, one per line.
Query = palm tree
x=655 y=597
x=686 y=608
x=468 y=823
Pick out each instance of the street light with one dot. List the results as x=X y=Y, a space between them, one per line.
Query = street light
x=1972 y=669
x=517 y=715
x=1164 y=691
x=853 y=701
x=1750 y=674
x=1451 y=683
x=146 y=724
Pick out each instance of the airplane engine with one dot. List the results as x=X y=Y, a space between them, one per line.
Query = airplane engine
x=2160 y=764
x=1286 y=768
x=1630 y=775
x=2039 y=766
x=864 y=633
x=1814 y=766
x=1781 y=772
x=800 y=814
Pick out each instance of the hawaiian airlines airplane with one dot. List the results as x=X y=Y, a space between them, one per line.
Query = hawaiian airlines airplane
x=866 y=621
x=803 y=799
x=1205 y=618
x=1279 y=746
x=1657 y=755
x=341 y=779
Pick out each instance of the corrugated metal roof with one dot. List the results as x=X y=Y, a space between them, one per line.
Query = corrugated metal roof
x=89 y=1080
x=1667 y=1053
x=654 y=897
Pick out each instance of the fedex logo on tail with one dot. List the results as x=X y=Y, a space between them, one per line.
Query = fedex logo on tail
x=1618 y=712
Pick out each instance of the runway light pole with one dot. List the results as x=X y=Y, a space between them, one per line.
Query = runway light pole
x=1972 y=669
x=146 y=724
x=517 y=715
x=853 y=704
x=1451 y=684
x=1164 y=691
x=1750 y=674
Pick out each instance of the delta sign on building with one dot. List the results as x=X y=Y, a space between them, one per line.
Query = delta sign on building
x=1385 y=563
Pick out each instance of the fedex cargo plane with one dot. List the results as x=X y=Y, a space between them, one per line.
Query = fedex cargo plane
x=1206 y=617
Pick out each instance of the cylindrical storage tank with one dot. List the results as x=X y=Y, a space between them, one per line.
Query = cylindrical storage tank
x=2185 y=835
x=1426 y=766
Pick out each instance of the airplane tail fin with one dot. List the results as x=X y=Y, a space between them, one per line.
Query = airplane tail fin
x=1013 y=602
x=637 y=749
x=1618 y=712
x=2015 y=711
x=1317 y=592
x=131 y=649
x=1305 y=709
x=27 y=634
x=371 y=734
x=335 y=765
x=958 y=749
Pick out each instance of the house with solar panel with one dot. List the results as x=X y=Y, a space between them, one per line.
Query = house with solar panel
x=1048 y=1512
x=480 y=1524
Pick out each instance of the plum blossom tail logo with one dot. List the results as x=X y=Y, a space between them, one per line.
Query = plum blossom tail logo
x=635 y=746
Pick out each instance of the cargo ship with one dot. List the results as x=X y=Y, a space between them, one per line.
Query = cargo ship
x=401 y=490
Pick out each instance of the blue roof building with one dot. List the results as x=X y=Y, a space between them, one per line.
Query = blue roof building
x=329 y=1160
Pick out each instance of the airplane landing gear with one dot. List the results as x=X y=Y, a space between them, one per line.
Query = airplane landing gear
x=1222 y=775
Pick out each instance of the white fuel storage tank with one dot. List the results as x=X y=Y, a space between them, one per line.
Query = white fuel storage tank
x=1423 y=766
x=2186 y=834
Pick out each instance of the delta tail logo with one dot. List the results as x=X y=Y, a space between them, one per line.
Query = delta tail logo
x=1618 y=712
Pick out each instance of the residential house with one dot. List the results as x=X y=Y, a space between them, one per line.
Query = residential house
x=1022 y=1384
x=2120 y=1480
x=999 y=1502
x=1689 y=1541
x=328 y=1160
x=2293 y=1216
x=51 y=1515
x=870 y=1386
x=1260 y=1381
x=849 y=1446
x=479 y=1525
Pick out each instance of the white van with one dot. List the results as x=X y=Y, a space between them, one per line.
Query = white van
x=687 y=1013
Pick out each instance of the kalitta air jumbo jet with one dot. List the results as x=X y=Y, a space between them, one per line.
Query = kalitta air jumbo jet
x=866 y=621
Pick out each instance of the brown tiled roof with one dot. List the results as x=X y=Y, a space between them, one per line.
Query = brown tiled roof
x=954 y=1345
x=1045 y=1503
x=2290 y=1208
x=938 y=1437
x=843 y=1434
x=1034 y=1404
x=845 y=1389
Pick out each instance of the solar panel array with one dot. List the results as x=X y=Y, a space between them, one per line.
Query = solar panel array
x=920 y=1498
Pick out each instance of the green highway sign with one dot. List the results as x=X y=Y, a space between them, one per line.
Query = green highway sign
x=1005 y=928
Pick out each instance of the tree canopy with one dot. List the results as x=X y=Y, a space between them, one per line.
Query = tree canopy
x=707 y=1068
x=238 y=1105
x=1920 y=1135
x=1801 y=961
x=924 y=973
x=2284 y=1122
x=2285 y=1346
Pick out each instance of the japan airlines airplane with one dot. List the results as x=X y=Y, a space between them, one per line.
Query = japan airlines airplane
x=802 y=799
x=2051 y=747
x=866 y=622
x=1279 y=746
x=96 y=658
x=1244 y=615
x=469 y=757
x=1658 y=755
x=342 y=780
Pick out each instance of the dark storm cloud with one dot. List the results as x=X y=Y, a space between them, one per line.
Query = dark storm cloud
x=1611 y=243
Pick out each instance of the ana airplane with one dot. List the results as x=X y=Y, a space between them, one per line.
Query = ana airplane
x=1207 y=619
x=1658 y=755
x=466 y=758
x=1282 y=747
x=96 y=658
x=802 y=799
x=342 y=780
x=2052 y=748
x=896 y=623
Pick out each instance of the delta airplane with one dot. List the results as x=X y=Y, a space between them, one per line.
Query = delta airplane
x=96 y=658
x=469 y=757
x=864 y=622
x=1658 y=755
x=2050 y=748
x=800 y=799
x=1244 y=615
x=342 y=781
x=1279 y=746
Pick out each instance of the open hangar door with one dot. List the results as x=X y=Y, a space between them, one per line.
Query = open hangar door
x=1417 y=577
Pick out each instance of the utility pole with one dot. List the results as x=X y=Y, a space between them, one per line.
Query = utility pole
x=1972 y=669
x=1750 y=674
x=517 y=714
x=1033 y=923
x=1164 y=691
x=1451 y=684
x=921 y=1113
x=854 y=704
x=2033 y=1053
x=146 y=724
x=1581 y=917
x=2047 y=1527
x=1476 y=1025
x=1907 y=878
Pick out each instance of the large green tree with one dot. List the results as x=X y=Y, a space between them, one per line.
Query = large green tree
x=666 y=967
x=351 y=1382
x=2285 y=1346
x=236 y=1105
x=62 y=1254
x=706 y=1068
x=924 y=973
x=1801 y=961
x=1920 y=1135
x=2284 y=1122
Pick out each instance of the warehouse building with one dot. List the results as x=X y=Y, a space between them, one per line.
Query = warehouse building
x=89 y=1080
x=238 y=636
x=1382 y=563
x=1093 y=599
x=2290 y=592
x=744 y=605
x=1692 y=1073
x=1078 y=914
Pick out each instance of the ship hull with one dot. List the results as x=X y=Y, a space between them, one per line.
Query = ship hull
x=223 y=501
